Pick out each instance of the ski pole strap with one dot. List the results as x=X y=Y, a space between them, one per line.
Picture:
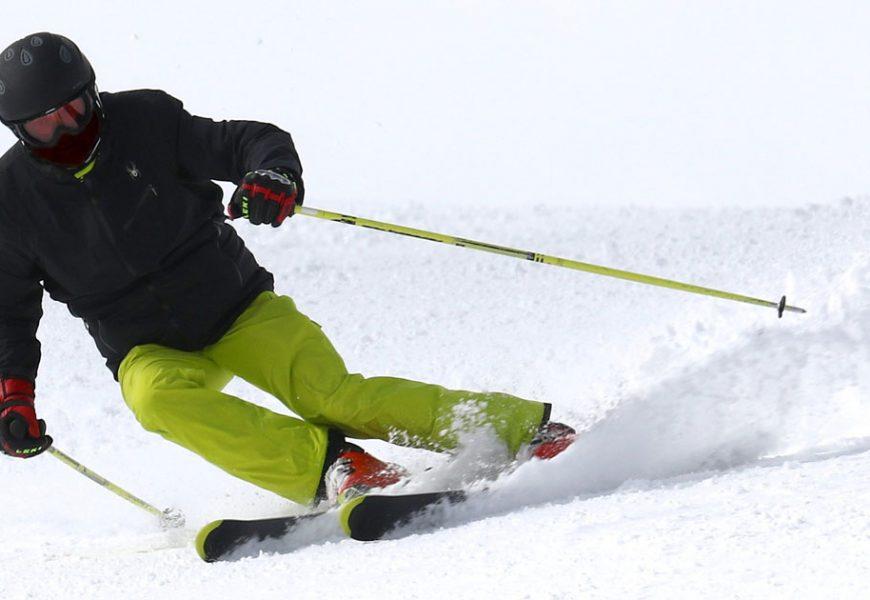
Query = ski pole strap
x=780 y=305
x=104 y=482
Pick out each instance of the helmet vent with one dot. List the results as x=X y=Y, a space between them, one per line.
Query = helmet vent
x=65 y=55
x=36 y=41
x=26 y=58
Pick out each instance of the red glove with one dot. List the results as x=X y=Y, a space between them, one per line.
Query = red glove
x=265 y=196
x=21 y=433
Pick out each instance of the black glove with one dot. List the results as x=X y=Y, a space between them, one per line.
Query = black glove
x=266 y=196
x=21 y=433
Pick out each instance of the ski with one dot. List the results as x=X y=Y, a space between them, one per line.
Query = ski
x=364 y=518
x=230 y=539
x=371 y=517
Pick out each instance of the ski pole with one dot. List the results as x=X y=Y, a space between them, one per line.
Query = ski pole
x=780 y=306
x=169 y=517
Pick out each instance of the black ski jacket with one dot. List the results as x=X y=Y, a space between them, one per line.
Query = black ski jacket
x=138 y=248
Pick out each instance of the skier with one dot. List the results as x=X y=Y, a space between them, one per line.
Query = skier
x=107 y=202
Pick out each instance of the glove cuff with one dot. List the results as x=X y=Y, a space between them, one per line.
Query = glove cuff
x=284 y=171
x=12 y=388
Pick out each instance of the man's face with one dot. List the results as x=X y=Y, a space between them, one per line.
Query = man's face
x=66 y=136
x=71 y=118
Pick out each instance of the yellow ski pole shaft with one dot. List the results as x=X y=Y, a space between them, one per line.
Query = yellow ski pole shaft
x=780 y=306
x=168 y=518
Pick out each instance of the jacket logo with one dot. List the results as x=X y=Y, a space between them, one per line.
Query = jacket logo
x=133 y=170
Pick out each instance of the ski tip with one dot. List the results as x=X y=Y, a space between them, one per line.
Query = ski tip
x=203 y=547
x=345 y=512
x=371 y=517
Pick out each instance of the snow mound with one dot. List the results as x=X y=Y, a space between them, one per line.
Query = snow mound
x=776 y=395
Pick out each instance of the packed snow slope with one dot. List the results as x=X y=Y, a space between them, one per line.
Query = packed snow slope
x=724 y=452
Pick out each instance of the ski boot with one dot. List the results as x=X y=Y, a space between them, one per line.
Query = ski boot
x=356 y=472
x=552 y=439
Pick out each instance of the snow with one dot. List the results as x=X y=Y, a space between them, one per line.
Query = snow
x=724 y=452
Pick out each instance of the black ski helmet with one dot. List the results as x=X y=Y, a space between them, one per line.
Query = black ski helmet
x=38 y=73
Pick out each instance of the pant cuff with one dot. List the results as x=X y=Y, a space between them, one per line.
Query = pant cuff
x=336 y=443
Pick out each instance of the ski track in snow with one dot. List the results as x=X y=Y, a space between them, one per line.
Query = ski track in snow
x=721 y=448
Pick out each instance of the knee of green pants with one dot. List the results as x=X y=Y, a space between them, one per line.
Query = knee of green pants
x=152 y=375
x=150 y=409
x=176 y=394
x=316 y=376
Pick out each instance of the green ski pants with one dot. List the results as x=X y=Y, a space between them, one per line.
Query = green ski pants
x=278 y=349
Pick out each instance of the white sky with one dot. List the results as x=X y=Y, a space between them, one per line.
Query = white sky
x=523 y=103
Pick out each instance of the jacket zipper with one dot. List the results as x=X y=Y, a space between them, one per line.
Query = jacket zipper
x=149 y=194
x=110 y=235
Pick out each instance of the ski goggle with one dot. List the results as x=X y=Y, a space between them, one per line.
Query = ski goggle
x=70 y=118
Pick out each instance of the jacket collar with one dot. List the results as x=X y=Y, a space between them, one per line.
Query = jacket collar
x=67 y=175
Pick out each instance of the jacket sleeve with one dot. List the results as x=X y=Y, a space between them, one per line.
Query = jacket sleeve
x=227 y=150
x=20 y=312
